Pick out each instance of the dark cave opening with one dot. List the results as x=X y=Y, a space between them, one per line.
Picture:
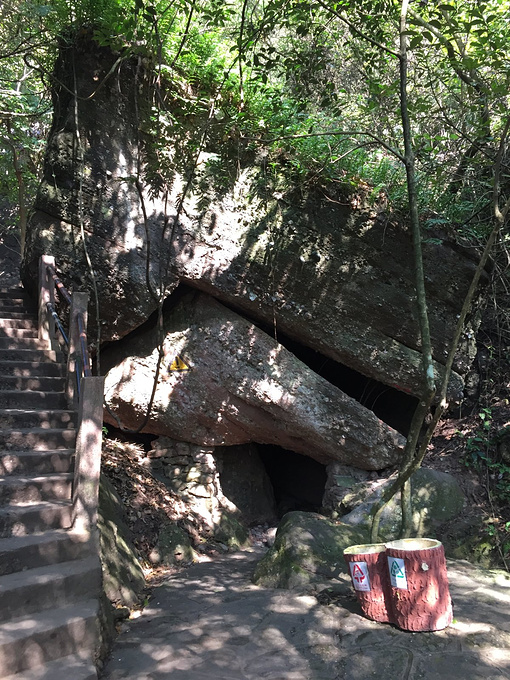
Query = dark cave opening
x=298 y=481
x=393 y=407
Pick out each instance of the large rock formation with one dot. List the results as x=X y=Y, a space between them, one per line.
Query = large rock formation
x=436 y=499
x=308 y=548
x=335 y=277
x=92 y=200
x=242 y=386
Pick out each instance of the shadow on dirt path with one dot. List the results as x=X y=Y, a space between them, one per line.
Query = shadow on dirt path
x=210 y=621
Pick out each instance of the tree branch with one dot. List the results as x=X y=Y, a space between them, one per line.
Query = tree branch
x=357 y=31
x=333 y=133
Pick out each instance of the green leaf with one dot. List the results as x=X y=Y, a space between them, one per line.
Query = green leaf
x=417 y=40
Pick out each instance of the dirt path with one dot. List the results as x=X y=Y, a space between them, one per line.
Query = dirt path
x=211 y=622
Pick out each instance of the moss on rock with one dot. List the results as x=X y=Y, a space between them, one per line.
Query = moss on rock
x=231 y=532
x=436 y=499
x=173 y=547
x=308 y=548
x=123 y=579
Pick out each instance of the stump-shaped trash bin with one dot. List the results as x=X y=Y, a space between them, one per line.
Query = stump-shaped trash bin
x=420 y=596
x=369 y=575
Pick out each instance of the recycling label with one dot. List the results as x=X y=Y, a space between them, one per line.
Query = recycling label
x=359 y=575
x=397 y=569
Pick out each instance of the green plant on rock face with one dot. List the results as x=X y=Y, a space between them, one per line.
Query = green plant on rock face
x=481 y=454
x=476 y=452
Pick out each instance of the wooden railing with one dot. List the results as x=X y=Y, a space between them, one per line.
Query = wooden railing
x=83 y=390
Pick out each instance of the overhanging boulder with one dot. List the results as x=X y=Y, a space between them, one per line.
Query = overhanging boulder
x=330 y=274
x=92 y=201
x=241 y=386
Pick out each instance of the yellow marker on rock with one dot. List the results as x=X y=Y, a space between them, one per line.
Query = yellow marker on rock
x=178 y=365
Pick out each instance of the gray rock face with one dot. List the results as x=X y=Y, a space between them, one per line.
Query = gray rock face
x=123 y=579
x=436 y=498
x=246 y=484
x=341 y=479
x=173 y=547
x=335 y=277
x=308 y=548
x=91 y=191
x=242 y=386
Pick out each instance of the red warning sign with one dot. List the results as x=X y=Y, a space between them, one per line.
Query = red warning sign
x=359 y=575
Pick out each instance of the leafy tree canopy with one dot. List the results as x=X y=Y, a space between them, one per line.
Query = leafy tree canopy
x=282 y=73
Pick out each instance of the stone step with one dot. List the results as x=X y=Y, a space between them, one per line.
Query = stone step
x=36 y=439
x=50 y=547
x=19 y=323
x=30 y=355
x=9 y=332
x=32 y=399
x=16 y=311
x=28 y=369
x=54 y=585
x=18 y=298
x=15 y=291
x=27 y=642
x=15 y=418
x=71 y=667
x=36 y=462
x=22 y=343
x=16 y=490
x=38 y=383
x=25 y=315
x=17 y=294
x=33 y=518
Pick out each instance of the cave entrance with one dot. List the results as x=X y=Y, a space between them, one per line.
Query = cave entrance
x=266 y=481
x=393 y=407
x=298 y=481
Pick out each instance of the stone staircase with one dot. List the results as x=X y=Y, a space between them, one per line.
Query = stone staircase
x=50 y=575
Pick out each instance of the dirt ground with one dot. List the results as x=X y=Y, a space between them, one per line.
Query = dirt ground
x=209 y=622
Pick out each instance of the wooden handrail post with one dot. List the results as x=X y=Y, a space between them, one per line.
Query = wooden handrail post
x=46 y=294
x=87 y=466
x=78 y=306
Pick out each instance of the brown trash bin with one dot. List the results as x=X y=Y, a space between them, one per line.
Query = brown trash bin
x=420 y=597
x=370 y=578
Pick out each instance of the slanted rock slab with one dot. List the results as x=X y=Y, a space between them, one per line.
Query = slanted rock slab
x=236 y=385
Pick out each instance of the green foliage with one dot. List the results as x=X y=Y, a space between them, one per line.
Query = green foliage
x=279 y=75
x=481 y=454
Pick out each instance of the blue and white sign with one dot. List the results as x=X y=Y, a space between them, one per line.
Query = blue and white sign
x=397 y=569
